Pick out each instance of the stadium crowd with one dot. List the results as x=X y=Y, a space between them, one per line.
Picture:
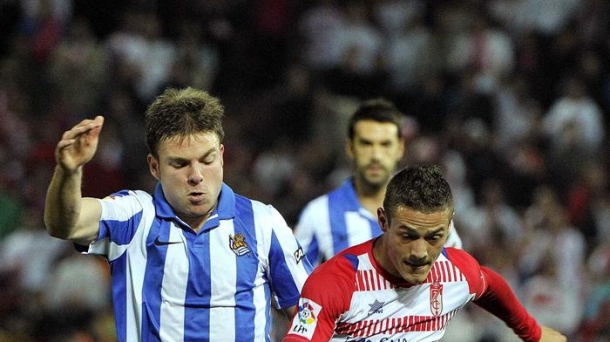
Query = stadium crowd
x=510 y=97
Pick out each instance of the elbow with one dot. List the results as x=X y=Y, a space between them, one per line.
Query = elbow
x=55 y=232
x=56 y=229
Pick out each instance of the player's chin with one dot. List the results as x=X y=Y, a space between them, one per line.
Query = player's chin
x=416 y=275
x=415 y=280
x=376 y=179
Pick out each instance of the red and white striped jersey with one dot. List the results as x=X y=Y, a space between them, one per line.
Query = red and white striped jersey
x=351 y=298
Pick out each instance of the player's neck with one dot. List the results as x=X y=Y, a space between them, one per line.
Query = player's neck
x=370 y=197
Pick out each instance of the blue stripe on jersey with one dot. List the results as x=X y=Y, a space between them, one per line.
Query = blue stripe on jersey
x=282 y=281
x=313 y=251
x=155 y=264
x=247 y=267
x=198 y=290
x=119 y=295
x=338 y=228
x=353 y=259
x=122 y=231
x=340 y=201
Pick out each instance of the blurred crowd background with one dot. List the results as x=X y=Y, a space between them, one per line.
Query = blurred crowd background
x=510 y=97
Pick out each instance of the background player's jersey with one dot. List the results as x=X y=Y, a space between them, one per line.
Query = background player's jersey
x=362 y=302
x=337 y=220
x=172 y=284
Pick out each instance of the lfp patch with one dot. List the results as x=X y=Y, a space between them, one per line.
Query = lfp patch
x=306 y=320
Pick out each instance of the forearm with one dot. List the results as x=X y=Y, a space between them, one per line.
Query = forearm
x=501 y=301
x=290 y=311
x=63 y=214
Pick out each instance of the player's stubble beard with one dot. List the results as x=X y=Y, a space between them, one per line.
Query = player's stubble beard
x=372 y=184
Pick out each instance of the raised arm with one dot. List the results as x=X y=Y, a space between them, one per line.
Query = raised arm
x=67 y=215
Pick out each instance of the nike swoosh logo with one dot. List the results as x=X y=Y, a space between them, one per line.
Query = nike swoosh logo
x=165 y=243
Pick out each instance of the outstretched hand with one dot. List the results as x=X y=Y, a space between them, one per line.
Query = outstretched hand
x=551 y=335
x=79 y=144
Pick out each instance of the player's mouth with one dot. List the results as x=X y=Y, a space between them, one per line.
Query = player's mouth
x=417 y=267
x=376 y=169
x=196 y=197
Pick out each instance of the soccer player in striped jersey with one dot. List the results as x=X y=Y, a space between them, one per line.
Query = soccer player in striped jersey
x=194 y=261
x=405 y=285
x=346 y=216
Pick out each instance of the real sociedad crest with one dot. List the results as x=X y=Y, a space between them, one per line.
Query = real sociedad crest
x=238 y=244
x=436 y=298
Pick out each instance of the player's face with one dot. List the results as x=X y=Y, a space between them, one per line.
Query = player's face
x=376 y=150
x=190 y=172
x=412 y=241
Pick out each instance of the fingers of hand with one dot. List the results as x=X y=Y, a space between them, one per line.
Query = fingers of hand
x=82 y=129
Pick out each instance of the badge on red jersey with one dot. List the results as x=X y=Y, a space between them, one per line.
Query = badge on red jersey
x=306 y=320
x=436 y=298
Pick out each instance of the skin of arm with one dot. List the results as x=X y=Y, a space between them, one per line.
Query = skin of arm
x=67 y=215
x=290 y=311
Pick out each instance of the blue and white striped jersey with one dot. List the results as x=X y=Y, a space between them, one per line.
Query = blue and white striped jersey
x=172 y=284
x=336 y=220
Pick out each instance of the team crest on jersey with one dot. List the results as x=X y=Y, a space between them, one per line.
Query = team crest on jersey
x=238 y=244
x=307 y=318
x=436 y=298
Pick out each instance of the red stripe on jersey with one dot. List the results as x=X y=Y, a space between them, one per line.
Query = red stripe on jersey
x=445 y=272
x=395 y=325
x=370 y=280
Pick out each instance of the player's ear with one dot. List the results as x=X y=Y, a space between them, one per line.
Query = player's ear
x=222 y=153
x=383 y=219
x=153 y=165
x=349 y=148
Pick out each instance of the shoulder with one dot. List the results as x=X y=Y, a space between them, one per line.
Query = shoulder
x=127 y=201
x=314 y=215
x=466 y=263
x=245 y=206
x=332 y=201
x=317 y=204
x=140 y=194
x=344 y=265
x=336 y=276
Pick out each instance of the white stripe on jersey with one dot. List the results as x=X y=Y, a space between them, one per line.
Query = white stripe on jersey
x=263 y=244
x=222 y=299
x=358 y=228
x=175 y=277
x=314 y=223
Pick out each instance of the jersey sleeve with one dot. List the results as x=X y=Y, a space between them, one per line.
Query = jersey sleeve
x=305 y=232
x=499 y=299
x=288 y=266
x=122 y=213
x=494 y=294
x=325 y=297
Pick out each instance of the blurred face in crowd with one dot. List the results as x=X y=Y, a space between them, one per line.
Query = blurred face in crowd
x=376 y=150
x=190 y=172
x=411 y=242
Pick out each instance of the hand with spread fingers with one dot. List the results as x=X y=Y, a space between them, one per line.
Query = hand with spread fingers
x=79 y=144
